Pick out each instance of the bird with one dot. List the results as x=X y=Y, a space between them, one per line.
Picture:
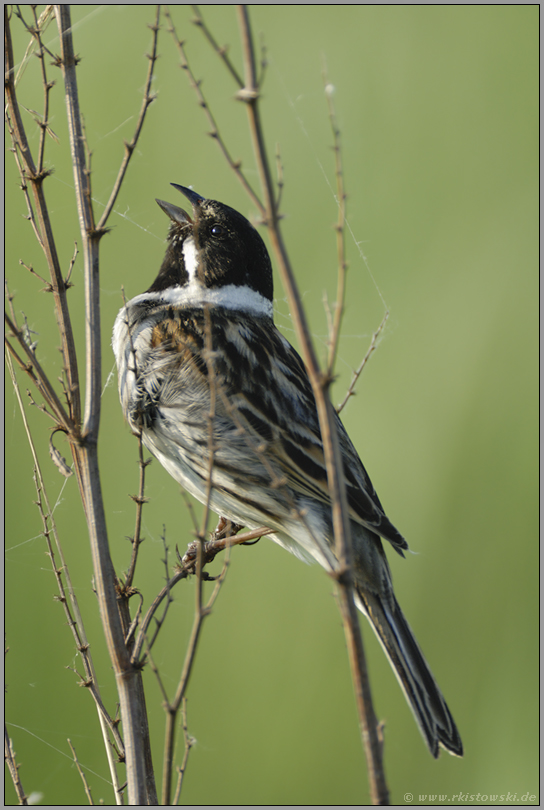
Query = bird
x=224 y=402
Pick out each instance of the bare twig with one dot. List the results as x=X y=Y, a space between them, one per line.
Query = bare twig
x=83 y=439
x=198 y=555
x=67 y=596
x=215 y=133
x=187 y=568
x=356 y=374
x=44 y=121
x=71 y=267
x=139 y=500
x=221 y=50
x=320 y=384
x=24 y=186
x=133 y=713
x=189 y=742
x=334 y=335
x=82 y=775
x=44 y=19
x=129 y=147
x=279 y=177
x=31 y=270
x=172 y=707
x=9 y=756
x=38 y=377
x=42 y=225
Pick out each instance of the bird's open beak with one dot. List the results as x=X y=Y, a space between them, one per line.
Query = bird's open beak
x=176 y=214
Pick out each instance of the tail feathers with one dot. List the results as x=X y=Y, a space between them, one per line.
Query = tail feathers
x=420 y=688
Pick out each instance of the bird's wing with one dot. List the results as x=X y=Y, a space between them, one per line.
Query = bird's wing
x=266 y=377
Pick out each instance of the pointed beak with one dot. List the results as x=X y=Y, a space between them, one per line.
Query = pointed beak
x=194 y=198
x=176 y=214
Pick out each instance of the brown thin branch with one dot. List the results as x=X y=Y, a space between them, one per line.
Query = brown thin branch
x=221 y=50
x=211 y=549
x=189 y=742
x=139 y=501
x=82 y=775
x=67 y=596
x=24 y=186
x=333 y=459
x=43 y=224
x=356 y=374
x=38 y=376
x=9 y=756
x=32 y=272
x=279 y=178
x=172 y=707
x=132 y=705
x=215 y=133
x=71 y=266
x=43 y=123
x=42 y=23
x=130 y=146
x=334 y=335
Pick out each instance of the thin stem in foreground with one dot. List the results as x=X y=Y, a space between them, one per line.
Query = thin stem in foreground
x=189 y=742
x=67 y=596
x=139 y=500
x=215 y=133
x=172 y=707
x=82 y=775
x=42 y=223
x=148 y=98
x=333 y=459
x=9 y=756
x=334 y=336
x=140 y=781
x=356 y=374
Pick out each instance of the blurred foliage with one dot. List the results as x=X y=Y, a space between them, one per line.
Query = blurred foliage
x=438 y=107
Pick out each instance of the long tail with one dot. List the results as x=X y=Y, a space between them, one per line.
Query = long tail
x=420 y=688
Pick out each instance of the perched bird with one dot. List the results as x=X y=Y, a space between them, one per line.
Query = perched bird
x=198 y=352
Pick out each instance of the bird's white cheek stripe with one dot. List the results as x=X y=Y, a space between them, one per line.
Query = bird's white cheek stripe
x=190 y=257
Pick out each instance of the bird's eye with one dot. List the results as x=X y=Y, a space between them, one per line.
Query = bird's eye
x=218 y=230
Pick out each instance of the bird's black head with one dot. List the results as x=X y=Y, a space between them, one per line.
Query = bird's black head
x=215 y=248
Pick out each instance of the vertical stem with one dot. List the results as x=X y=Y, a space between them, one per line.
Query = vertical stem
x=91 y=237
x=47 y=241
x=86 y=451
x=331 y=448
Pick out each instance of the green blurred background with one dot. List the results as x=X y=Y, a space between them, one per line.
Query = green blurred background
x=438 y=111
